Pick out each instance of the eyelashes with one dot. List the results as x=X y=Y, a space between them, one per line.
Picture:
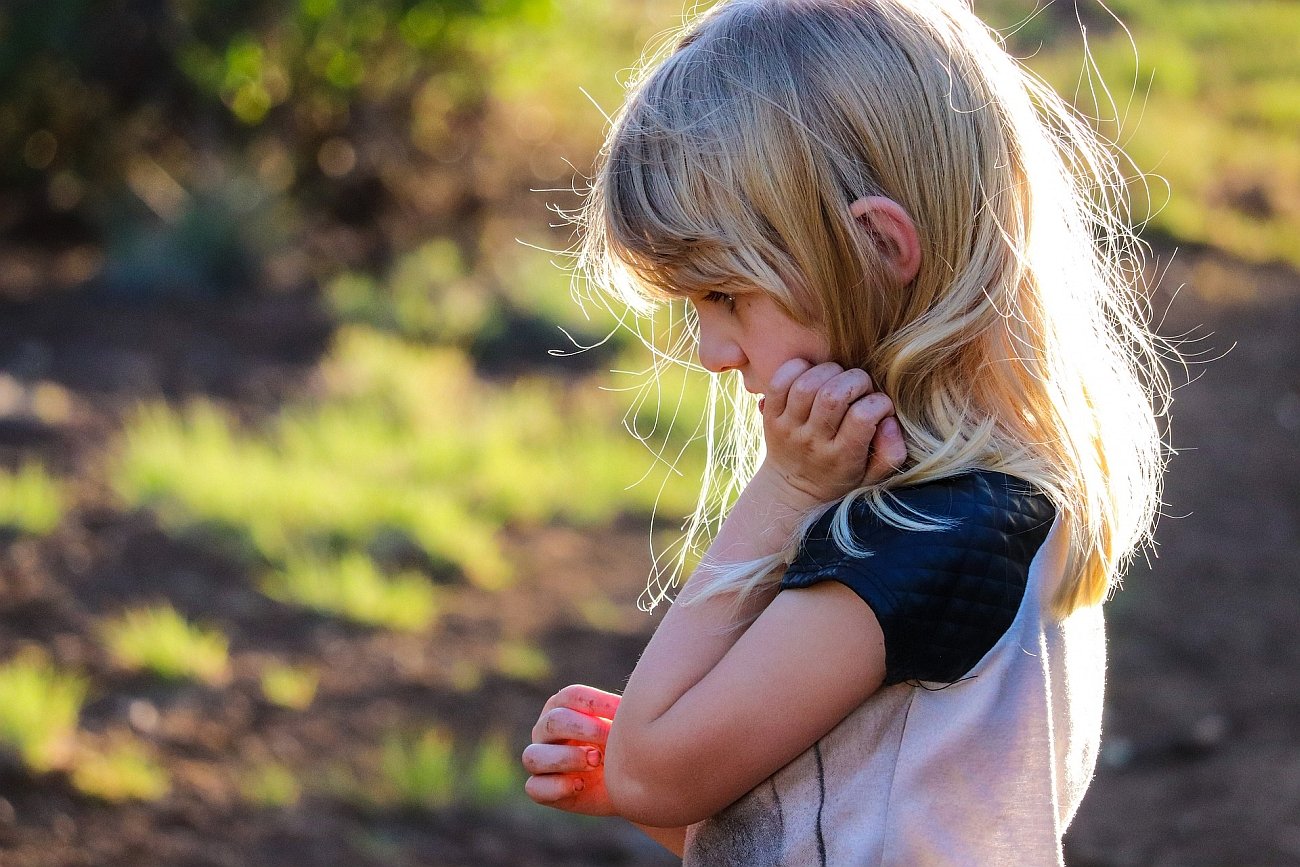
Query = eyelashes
x=720 y=298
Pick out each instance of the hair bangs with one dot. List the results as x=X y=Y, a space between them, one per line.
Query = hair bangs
x=673 y=212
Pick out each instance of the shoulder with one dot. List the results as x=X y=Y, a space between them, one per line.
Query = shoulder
x=943 y=597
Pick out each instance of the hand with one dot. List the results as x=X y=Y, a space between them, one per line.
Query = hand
x=573 y=725
x=828 y=431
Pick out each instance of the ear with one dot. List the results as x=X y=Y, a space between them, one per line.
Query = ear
x=893 y=231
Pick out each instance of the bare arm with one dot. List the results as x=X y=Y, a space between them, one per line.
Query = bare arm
x=704 y=730
x=696 y=729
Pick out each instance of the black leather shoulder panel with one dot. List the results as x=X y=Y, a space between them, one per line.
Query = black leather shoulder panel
x=943 y=598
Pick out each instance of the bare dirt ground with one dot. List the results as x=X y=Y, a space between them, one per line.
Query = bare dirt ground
x=1201 y=762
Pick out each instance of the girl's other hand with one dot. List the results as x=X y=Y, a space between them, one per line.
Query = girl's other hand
x=566 y=759
x=828 y=431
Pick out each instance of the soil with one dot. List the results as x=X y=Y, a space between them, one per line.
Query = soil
x=1201 y=756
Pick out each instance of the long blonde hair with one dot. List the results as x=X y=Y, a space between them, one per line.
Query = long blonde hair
x=1023 y=345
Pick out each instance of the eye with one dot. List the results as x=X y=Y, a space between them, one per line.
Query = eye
x=720 y=298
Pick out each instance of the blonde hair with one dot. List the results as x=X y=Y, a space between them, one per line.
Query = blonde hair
x=1023 y=343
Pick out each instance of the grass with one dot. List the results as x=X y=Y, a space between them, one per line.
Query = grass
x=1207 y=102
x=39 y=708
x=354 y=588
x=428 y=295
x=419 y=771
x=522 y=661
x=464 y=676
x=31 y=501
x=408 y=441
x=290 y=686
x=495 y=773
x=270 y=785
x=423 y=770
x=124 y=771
x=159 y=640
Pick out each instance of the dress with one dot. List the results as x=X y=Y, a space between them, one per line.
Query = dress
x=978 y=748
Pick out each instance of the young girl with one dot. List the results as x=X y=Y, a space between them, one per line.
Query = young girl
x=892 y=652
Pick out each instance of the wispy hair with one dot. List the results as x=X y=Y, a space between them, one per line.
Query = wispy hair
x=1024 y=344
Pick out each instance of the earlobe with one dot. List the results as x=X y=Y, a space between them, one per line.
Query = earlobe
x=892 y=230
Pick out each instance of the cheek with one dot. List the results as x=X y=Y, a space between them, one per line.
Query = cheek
x=810 y=345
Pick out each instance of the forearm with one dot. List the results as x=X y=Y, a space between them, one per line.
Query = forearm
x=672 y=839
x=824 y=439
x=691 y=640
x=645 y=774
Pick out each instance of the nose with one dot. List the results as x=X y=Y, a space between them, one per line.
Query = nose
x=718 y=351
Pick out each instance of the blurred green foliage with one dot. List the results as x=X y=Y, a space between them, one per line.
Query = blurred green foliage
x=1204 y=97
x=160 y=640
x=352 y=586
x=426 y=770
x=124 y=771
x=407 y=448
x=419 y=770
x=39 y=708
x=222 y=146
x=522 y=661
x=270 y=785
x=290 y=686
x=31 y=501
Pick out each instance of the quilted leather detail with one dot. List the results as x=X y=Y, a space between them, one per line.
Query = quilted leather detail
x=944 y=597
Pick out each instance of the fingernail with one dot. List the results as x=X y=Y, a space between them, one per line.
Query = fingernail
x=593 y=758
x=890 y=425
x=578 y=784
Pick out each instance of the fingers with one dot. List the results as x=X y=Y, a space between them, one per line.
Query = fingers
x=588 y=699
x=803 y=391
x=862 y=420
x=549 y=789
x=834 y=398
x=779 y=387
x=561 y=758
x=888 y=451
x=560 y=724
x=825 y=431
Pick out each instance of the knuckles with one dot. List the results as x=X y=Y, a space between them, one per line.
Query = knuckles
x=874 y=407
x=566 y=723
x=551 y=722
x=568 y=693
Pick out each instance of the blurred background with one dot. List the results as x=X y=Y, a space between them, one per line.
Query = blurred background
x=308 y=503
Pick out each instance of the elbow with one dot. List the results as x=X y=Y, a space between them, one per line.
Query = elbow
x=647 y=793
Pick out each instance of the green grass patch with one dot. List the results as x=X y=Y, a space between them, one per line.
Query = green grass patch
x=270 y=785
x=427 y=295
x=39 y=708
x=1207 y=102
x=407 y=440
x=31 y=501
x=496 y=775
x=424 y=770
x=159 y=640
x=522 y=661
x=290 y=686
x=419 y=771
x=125 y=771
x=464 y=676
x=354 y=588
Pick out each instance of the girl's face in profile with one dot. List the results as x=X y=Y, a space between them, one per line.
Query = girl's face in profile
x=750 y=333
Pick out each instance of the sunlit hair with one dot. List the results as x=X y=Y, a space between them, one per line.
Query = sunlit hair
x=1023 y=345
